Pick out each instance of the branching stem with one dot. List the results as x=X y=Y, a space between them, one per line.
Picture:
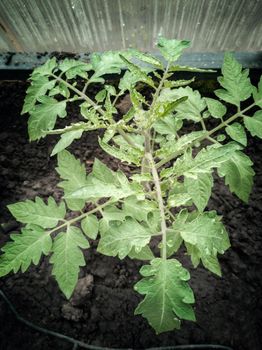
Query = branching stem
x=70 y=222
x=160 y=203
x=208 y=134
x=96 y=107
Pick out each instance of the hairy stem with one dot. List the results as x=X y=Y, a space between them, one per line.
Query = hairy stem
x=70 y=222
x=208 y=134
x=92 y=103
x=81 y=94
x=158 y=90
x=160 y=204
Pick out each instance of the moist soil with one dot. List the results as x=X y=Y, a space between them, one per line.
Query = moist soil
x=228 y=309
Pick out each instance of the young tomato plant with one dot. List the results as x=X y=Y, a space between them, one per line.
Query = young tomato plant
x=172 y=172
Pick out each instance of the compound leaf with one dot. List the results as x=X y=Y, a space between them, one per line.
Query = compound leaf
x=172 y=49
x=169 y=125
x=67 y=258
x=130 y=154
x=191 y=108
x=45 y=69
x=108 y=62
x=177 y=146
x=38 y=87
x=25 y=248
x=207 y=159
x=238 y=174
x=72 y=68
x=38 y=213
x=137 y=72
x=204 y=236
x=235 y=81
x=168 y=297
x=120 y=239
x=73 y=173
x=43 y=116
x=106 y=183
x=254 y=124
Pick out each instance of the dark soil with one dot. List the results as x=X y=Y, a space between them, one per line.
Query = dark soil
x=228 y=309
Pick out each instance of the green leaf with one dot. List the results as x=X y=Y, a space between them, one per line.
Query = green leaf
x=110 y=213
x=238 y=174
x=137 y=72
x=104 y=183
x=237 y=133
x=177 y=83
x=179 y=199
x=207 y=159
x=254 y=124
x=108 y=62
x=128 y=81
x=166 y=108
x=168 y=297
x=43 y=116
x=38 y=213
x=168 y=125
x=174 y=242
x=60 y=89
x=66 y=139
x=199 y=188
x=191 y=108
x=144 y=254
x=38 y=87
x=257 y=93
x=89 y=113
x=137 y=139
x=216 y=108
x=90 y=226
x=205 y=236
x=129 y=155
x=74 y=175
x=178 y=68
x=24 y=249
x=172 y=49
x=101 y=95
x=120 y=239
x=45 y=69
x=235 y=81
x=178 y=146
x=73 y=68
x=139 y=209
x=67 y=258
x=147 y=58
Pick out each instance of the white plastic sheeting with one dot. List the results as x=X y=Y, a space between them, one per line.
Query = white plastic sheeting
x=97 y=25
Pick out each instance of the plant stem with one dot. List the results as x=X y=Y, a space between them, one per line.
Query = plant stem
x=126 y=137
x=81 y=94
x=160 y=204
x=208 y=134
x=147 y=132
x=96 y=106
x=70 y=222
x=158 y=90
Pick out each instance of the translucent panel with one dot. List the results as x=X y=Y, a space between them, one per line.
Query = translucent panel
x=97 y=25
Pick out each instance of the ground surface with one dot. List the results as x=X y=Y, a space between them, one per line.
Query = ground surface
x=228 y=309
